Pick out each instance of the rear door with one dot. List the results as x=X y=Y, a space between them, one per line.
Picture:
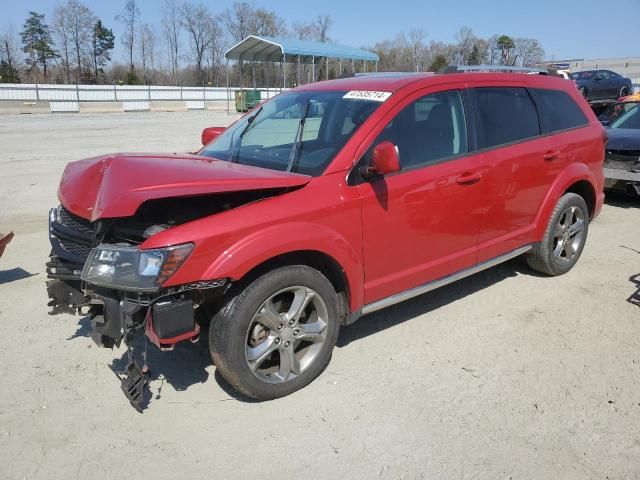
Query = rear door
x=422 y=222
x=519 y=164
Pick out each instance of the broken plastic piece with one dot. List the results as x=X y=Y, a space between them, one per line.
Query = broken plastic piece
x=4 y=241
x=134 y=384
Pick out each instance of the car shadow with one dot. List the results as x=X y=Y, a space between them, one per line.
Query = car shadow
x=431 y=301
x=621 y=200
x=187 y=364
x=7 y=276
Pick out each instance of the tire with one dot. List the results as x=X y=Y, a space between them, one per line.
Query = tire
x=266 y=347
x=564 y=238
x=624 y=91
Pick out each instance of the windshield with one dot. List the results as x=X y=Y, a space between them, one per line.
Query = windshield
x=279 y=131
x=630 y=119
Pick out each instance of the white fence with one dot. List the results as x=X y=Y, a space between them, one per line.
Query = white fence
x=115 y=93
x=74 y=98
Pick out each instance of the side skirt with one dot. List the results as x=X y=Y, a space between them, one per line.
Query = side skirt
x=441 y=282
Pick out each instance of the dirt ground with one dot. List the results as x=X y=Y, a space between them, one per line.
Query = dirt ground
x=506 y=374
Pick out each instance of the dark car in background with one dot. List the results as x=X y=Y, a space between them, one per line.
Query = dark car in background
x=602 y=84
x=612 y=111
x=622 y=157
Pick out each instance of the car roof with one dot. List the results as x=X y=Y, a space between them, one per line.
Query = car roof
x=394 y=81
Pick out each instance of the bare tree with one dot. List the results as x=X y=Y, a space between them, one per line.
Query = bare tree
x=10 y=53
x=527 y=51
x=80 y=20
x=466 y=40
x=171 y=27
x=62 y=34
x=147 y=44
x=198 y=22
x=303 y=31
x=216 y=49
x=416 y=41
x=129 y=18
x=322 y=25
x=239 y=21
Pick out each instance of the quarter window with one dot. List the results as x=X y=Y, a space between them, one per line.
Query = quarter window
x=428 y=130
x=505 y=114
x=558 y=110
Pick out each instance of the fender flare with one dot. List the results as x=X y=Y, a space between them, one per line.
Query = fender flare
x=574 y=172
x=253 y=250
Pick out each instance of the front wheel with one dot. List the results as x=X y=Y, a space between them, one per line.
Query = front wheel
x=564 y=238
x=276 y=335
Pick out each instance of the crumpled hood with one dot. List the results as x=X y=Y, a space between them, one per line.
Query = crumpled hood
x=623 y=139
x=116 y=185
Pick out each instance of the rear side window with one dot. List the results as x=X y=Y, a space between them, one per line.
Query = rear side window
x=558 y=110
x=505 y=114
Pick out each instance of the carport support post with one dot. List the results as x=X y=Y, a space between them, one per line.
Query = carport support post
x=298 y=70
x=313 y=69
x=353 y=66
x=376 y=65
x=228 y=100
x=326 y=63
x=268 y=67
x=284 y=72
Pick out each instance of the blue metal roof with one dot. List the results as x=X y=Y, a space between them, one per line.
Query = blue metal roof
x=259 y=48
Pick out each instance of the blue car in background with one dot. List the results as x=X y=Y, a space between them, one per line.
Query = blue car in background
x=602 y=84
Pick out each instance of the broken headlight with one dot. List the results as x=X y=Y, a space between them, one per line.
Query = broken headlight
x=129 y=268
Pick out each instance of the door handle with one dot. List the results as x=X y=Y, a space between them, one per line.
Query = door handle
x=551 y=155
x=469 y=178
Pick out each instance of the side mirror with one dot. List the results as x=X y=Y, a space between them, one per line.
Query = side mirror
x=208 y=134
x=385 y=160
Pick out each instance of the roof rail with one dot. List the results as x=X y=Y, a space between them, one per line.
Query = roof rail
x=389 y=74
x=493 y=68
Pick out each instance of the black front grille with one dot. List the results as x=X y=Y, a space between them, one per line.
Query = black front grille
x=71 y=236
x=74 y=222
x=76 y=248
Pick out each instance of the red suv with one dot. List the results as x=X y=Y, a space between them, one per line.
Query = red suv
x=325 y=203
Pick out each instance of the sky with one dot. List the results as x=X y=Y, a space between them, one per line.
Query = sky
x=566 y=28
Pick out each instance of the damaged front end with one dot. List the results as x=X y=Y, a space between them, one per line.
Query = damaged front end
x=96 y=269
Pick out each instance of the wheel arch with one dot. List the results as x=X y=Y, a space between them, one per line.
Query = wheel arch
x=586 y=190
x=318 y=260
x=577 y=178
x=312 y=244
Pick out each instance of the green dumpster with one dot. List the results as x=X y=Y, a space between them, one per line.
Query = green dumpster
x=247 y=99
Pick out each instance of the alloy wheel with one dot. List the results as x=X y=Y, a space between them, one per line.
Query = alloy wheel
x=568 y=235
x=286 y=334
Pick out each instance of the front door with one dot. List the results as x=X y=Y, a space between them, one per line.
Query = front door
x=421 y=223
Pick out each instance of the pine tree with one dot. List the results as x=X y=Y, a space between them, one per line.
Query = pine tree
x=474 y=56
x=439 y=62
x=8 y=74
x=102 y=42
x=37 y=41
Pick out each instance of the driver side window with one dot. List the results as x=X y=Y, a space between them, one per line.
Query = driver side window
x=428 y=130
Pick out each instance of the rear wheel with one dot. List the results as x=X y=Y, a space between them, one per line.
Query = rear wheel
x=276 y=335
x=564 y=238
x=624 y=91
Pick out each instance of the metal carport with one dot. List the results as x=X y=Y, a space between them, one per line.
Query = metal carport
x=256 y=48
